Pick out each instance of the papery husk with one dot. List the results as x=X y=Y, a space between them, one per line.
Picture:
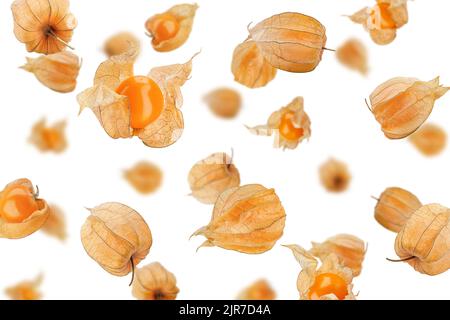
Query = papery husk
x=39 y=136
x=249 y=66
x=430 y=139
x=371 y=20
x=353 y=55
x=55 y=225
x=248 y=219
x=394 y=207
x=424 y=241
x=145 y=177
x=273 y=123
x=290 y=41
x=113 y=110
x=57 y=71
x=349 y=249
x=402 y=105
x=44 y=26
x=224 y=102
x=116 y=237
x=260 y=290
x=25 y=290
x=154 y=282
x=168 y=128
x=210 y=177
x=184 y=14
x=334 y=175
x=121 y=43
x=310 y=270
x=30 y=225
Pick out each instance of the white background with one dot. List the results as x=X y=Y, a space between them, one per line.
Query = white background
x=90 y=172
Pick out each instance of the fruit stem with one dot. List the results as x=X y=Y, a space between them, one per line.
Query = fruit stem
x=132 y=271
x=328 y=49
x=54 y=35
x=36 y=194
x=367 y=104
x=400 y=260
x=231 y=159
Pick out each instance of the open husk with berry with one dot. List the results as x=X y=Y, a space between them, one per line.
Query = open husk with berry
x=144 y=106
x=22 y=212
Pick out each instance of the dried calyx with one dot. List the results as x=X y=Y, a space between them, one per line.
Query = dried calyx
x=424 y=240
x=154 y=282
x=394 y=207
x=45 y=26
x=144 y=106
x=248 y=219
x=383 y=19
x=288 y=41
x=290 y=125
x=116 y=237
x=22 y=212
x=213 y=175
x=401 y=105
x=331 y=281
x=171 y=29
x=57 y=71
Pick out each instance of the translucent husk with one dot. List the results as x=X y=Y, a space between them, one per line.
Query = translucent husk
x=249 y=66
x=349 y=249
x=402 y=105
x=57 y=71
x=44 y=26
x=184 y=14
x=113 y=110
x=154 y=282
x=210 y=177
x=424 y=241
x=394 y=207
x=310 y=270
x=30 y=225
x=382 y=24
x=248 y=219
x=290 y=41
x=116 y=237
x=301 y=120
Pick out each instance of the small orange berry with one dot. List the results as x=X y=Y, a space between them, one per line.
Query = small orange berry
x=328 y=283
x=146 y=100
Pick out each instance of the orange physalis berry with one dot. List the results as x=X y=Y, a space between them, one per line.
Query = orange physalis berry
x=328 y=283
x=146 y=100
x=162 y=27
x=287 y=127
x=17 y=203
x=382 y=14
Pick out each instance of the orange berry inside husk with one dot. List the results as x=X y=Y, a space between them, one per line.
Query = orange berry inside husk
x=146 y=100
x=328 y=283
x=287 y=128
x=162 y=27
x=385 y=16
x=17 y=203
